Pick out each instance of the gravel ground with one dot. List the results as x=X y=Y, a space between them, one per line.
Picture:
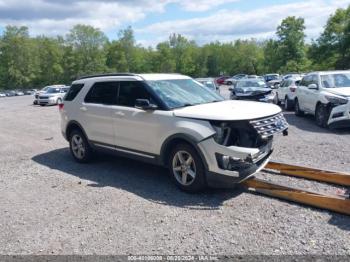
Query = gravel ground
x=52 y=205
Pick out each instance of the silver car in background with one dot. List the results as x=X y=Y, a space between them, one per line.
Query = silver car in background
x=209 y=82
x=37 y=93
x=53 y=95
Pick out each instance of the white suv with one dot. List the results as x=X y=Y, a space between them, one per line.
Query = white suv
x=327 y=96
x=170 y=120
x=52 y=95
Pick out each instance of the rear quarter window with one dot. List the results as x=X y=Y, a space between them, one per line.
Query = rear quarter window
x=73 y=92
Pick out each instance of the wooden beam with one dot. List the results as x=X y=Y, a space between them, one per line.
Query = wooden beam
x=333 y=177
x=335 y=203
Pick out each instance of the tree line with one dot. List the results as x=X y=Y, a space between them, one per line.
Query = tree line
x=32 y=62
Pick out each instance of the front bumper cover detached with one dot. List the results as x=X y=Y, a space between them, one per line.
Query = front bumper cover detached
x=228 y=166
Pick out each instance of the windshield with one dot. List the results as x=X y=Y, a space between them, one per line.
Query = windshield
x=183 y=92
x=208 y=84
x=271 y=77
x=336 y=80
x=52 y=90
x=241 y=84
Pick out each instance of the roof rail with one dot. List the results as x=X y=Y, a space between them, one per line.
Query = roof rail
x=108 y=74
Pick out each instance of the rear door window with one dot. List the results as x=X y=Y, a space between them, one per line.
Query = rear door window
x=102 y=93
x=73 y=92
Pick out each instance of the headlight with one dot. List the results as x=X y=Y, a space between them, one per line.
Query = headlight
x=222 y=133
x=337 y=100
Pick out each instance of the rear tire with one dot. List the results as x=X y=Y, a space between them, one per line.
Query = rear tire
x=322 y=115
x=79 y=146
x=59 y=101
x=297 y=110
x=186 y=168
x=287 y=104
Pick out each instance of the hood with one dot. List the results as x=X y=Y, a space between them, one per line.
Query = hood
x=341 y=91
x=228 y=110
x=48 y=94
x=252 y=91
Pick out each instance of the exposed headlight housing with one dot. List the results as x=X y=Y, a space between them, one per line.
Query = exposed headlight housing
x=337 y=100
x=222 y=133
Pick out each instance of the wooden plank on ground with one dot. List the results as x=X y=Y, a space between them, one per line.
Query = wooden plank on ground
x=333 y=177
x=335 y=203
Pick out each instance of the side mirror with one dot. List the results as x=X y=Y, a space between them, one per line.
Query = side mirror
x=144 y=104
x=230 y=88
x=312 y=86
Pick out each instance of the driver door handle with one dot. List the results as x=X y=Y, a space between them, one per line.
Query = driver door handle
x=83 y=108
x=119 y=113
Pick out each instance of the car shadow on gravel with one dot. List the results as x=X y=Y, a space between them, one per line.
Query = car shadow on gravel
x=145 y=180
x=307 y=123
x=342 y=222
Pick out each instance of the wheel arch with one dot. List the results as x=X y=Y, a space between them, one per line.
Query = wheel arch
x=175 y=139
x=328 y=106
x=72 y=125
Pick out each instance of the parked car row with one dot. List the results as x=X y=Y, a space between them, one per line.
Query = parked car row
x=8 y=93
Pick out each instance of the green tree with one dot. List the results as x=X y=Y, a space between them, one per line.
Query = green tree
x=88 y=49
x=17 y=68
x=164 y=61
x=183 y=51
x=49 y=52
x=332 y=48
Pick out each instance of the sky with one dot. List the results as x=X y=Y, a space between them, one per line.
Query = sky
x=154 y=20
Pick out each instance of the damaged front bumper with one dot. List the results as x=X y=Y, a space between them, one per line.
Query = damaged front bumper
x=228 y=166
x=340 y=116
x=239 y=150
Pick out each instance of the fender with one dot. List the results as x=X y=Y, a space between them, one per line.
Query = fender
x=70 y=124
x=185 y=137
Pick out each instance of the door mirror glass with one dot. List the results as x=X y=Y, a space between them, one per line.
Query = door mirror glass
x=312 y=86
x=144 y=104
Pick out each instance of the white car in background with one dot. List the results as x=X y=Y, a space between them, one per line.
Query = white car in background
x=326 y=95
x=285 y=93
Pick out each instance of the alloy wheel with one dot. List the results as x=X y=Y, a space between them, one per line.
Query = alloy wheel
x=78 y=146
x=184 y=168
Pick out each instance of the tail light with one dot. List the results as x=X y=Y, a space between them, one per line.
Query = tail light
x=60 y=106
x=293 y=88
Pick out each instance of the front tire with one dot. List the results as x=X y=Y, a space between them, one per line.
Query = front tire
x=186 y=168
x=298 y=112
x=276 y=100
x=79 y=147
x=321 y=115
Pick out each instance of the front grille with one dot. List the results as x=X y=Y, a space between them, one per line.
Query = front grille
x=271 y=125
x=43 y=97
